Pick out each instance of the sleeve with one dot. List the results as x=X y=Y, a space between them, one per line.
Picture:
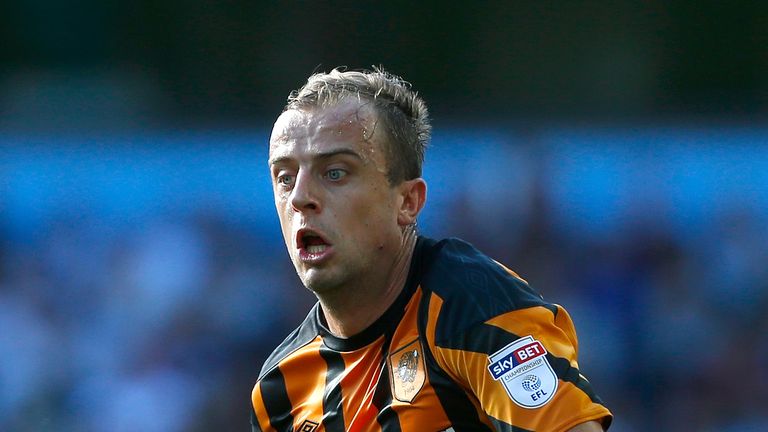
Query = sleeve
x=522 y=368
x=260 y=420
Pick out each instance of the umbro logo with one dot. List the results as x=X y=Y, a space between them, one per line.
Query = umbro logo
x=308 y=426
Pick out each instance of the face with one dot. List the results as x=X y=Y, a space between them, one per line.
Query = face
x=337 y=210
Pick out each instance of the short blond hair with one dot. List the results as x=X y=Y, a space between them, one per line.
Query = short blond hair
x=396 y=103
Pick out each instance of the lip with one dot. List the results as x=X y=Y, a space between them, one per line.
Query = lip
x=312 y=258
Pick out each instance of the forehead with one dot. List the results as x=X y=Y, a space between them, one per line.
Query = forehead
x=347 y=123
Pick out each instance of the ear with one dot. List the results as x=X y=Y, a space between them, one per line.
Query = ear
x=414 y=195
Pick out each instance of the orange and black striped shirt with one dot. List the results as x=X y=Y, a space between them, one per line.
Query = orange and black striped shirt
x=467 y=346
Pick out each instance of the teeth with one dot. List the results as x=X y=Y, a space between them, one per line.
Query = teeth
x=316 y=248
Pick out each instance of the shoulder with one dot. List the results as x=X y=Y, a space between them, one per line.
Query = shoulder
x=297 y=339
x=470 y=287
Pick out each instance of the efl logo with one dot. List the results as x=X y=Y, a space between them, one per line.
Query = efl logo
x=524 y=371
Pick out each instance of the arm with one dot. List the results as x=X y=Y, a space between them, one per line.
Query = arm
x=522 y=368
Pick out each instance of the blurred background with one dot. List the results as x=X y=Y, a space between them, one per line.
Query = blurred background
x=615 y=154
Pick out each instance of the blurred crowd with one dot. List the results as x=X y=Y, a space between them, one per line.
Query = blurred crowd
x=160 y=321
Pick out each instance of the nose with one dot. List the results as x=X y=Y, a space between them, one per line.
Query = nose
x=304 y=196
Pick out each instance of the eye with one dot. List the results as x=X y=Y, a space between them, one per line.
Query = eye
x=285 y=179
x=335 y=174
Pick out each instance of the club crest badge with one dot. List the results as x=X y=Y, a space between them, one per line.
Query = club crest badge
x=406 y=366
x=523 y=369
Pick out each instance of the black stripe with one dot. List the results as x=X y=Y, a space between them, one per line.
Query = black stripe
x=566 y=372
x=382 y=396
x=506 y=427
x=382 y=400
x=456 y=404
x=487 y=339
x=474 y=288
x=483 y=338
x=333 y=410
x=276 y=401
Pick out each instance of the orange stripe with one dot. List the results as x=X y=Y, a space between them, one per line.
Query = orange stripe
x=563 y=320
x=435 y=305
x=426 y=408
x=304 y=382
x=557 y=335
x=363 y=369
x=470 y=370
x=408 y=329
x=258 y=407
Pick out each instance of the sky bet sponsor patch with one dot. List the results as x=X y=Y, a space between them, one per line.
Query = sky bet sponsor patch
x=523 y=369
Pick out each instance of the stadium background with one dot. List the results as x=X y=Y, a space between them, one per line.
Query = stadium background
x=615 y=154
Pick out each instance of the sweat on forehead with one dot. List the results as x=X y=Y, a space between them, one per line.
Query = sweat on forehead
x=349 y=118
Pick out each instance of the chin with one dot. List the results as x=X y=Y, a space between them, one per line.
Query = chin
x=319 y=283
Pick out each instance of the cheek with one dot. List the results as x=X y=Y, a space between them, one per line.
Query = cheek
x=285 y=215
x=375 y=216
x=282 y=204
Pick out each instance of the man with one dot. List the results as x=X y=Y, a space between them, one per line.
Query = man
x=409 y=334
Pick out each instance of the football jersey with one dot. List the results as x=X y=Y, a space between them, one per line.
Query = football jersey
x=466 y=346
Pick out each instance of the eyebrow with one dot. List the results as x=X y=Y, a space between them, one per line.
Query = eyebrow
x=322 y=155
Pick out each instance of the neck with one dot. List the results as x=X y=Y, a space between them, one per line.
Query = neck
x=349 y=313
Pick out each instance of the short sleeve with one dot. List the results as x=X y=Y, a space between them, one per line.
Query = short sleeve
x=522 y=367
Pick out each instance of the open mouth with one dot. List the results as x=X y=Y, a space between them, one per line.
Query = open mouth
x=314 y=244
x=311 y=243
